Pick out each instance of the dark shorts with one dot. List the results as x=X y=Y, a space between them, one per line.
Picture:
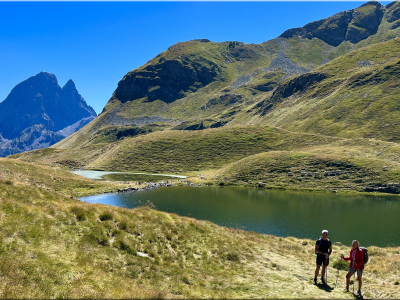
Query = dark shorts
x=321 y=260
x=352 y=271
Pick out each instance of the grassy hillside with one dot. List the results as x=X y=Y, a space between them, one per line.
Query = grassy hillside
x=177 y=151
x=52 y=246
x=276 y=157
x=54 y=179
x=353 y=96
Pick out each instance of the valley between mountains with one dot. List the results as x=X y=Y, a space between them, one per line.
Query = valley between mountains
x=316 y=109
x=333 y=128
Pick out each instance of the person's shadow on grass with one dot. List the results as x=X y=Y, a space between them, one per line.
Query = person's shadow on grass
x=326 y=287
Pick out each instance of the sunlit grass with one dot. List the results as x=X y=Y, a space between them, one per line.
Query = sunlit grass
x=52 y=246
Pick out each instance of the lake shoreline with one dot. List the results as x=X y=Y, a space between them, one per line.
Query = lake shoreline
x=199 y=181
x=254 y=209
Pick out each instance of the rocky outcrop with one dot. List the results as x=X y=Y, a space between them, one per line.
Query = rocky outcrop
x=352 y=25
x=393 y=11
x=113 y=118
x=226 y=100
x=167 y=80
x=298 y=84
x=269 y=81
x=282 y=63
x=241 y=81
x=38 y=113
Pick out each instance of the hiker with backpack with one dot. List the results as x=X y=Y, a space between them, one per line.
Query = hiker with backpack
x=357 y=262
x=323 y=249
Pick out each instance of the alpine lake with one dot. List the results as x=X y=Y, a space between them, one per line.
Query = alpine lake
x=370 y=219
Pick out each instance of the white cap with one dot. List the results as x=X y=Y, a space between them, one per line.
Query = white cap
x=324 y=231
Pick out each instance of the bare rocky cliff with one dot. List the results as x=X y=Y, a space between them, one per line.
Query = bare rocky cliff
x=36 y=110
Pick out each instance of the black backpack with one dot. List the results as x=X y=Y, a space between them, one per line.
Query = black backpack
x=329 y=243
x=366 y=256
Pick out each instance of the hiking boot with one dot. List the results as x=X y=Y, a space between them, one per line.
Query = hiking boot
x=346 y=290
x=359 y=293
x=323 y=280
x=315 y=281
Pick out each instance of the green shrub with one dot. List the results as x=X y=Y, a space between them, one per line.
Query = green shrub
x=106 y=216
x=96 y=237
x=185 y=279
x=123 y=225
x=123 y=245
x=79 y=212
x=340 y=265
x=231 y=256
x=7 y=182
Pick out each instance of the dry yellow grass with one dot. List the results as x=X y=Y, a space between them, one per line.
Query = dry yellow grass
x=52 y=246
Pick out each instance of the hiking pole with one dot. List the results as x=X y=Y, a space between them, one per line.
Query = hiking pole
x=326 y=273
x=326 y=270
x=338 y=270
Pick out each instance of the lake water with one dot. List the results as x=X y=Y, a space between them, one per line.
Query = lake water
x=99 y=174
x=369 y=219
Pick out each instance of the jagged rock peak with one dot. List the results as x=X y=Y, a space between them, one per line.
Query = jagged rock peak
x=353 y=25
x=40 y=100
x=42 y=77
x=69 y=85
x=46 y=75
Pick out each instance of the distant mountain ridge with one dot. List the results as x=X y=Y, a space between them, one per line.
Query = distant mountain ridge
x=38 y=113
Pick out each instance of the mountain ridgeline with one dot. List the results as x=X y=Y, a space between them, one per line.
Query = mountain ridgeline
x=200 y=84
x=321 y=99
x=38 y=113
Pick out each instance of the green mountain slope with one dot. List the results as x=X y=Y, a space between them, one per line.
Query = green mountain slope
x=239 y=103
x=355 y=95
x=201 y=84
x=244 y=155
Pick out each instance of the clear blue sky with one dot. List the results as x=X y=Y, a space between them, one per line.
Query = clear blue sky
x=96 y=43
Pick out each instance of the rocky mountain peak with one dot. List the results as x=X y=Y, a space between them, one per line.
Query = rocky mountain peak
x=353 y=25
x=69 y=85
x=39 y=100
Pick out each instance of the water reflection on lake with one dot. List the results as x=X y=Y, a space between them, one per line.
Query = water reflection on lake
x=371 y=220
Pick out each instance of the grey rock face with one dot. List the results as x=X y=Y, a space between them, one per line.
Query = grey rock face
x=393 y=11
x=241 y=81
x=36 y=109
x=283 y=63
x=114 y=119
x=354 y=25
x=166 y=80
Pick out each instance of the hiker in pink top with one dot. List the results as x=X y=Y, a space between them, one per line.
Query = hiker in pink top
x=356 y=259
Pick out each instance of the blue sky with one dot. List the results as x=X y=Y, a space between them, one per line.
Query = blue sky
x=96 y=43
